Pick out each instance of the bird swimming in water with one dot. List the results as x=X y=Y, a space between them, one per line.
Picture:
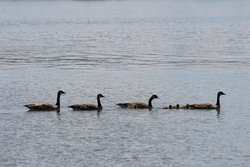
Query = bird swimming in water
x=46 y=106
x=207 y=106
x=89 y=106
x=138 y=105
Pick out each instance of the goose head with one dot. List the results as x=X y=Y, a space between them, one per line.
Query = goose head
x=99 y=96
x=221 y=93
x=154 y=97
x=60 y=92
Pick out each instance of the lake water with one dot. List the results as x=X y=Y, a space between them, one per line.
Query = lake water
x=183 y=51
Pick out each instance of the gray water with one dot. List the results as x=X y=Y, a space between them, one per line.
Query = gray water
x=183 y=51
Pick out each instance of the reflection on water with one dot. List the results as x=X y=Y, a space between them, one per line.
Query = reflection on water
x=58 y=110
x=218 y=113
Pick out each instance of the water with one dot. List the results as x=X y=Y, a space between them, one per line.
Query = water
x=183 y=51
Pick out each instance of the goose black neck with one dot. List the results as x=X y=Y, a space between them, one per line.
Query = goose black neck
x=218 y=101
x=150 y=102
x=58 y=99
x=99 y=105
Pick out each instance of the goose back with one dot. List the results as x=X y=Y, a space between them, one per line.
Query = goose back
x=84 y=107
x=202 y=106
x=41 y=107
x=138 y=105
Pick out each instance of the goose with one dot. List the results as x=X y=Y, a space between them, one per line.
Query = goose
x=167 y=107
x=207 y=105
x=136 y=105
x=46 y=106
x=88 y=106
x=177 y=106
x=185 y=106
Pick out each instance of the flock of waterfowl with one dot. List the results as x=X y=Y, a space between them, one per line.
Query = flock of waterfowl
x=132 y=105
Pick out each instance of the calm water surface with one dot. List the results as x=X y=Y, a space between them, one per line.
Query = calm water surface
x=183 y=51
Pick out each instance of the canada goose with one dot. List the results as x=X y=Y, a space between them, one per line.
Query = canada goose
x=185 y=106
x=46 y=106
x=177 y=106
x=207 y=105
x=136 y=105
x=88 y=106
x=168 y=107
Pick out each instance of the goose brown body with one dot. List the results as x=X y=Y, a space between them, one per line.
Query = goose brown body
x=207 y=106
x=84 y=107
x=41 y=106
x=202 y=106
x=138 y=105
x=89 y=106
x=45 y=106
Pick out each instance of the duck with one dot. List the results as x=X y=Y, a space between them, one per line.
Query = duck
x=208 y=106
x=89 y=106
x=46 y=106
x=138 y=105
